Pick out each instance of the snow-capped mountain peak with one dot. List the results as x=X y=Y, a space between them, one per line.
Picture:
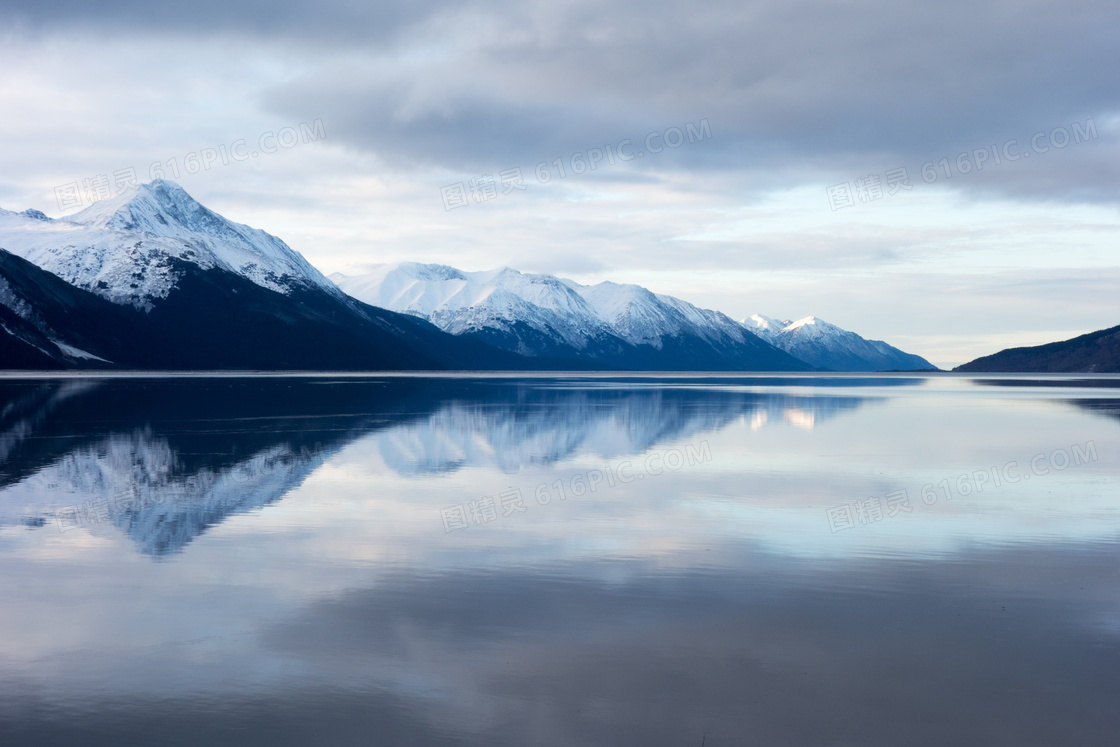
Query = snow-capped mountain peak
x=152 y=207
x=130 y=248
x=811 y=325
x=631 y=310
x=764 y=326
x=827 y=346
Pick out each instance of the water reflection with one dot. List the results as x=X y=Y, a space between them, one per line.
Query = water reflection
x=272 y=568
x=165 y=459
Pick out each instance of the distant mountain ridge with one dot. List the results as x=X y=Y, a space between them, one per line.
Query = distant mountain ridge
x=613 y=325
x=553 y=320
x=623 y=325
x=1096 y=352
x=825 y=345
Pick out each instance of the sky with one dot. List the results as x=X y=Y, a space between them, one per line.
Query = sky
x=939 y=175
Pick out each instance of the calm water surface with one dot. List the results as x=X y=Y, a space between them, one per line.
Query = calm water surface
x=348 y=560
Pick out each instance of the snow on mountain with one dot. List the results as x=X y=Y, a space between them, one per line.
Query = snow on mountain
x=458 y=301
x=825 y=345
x=542 y=315
x=526 y=313
x=47 y=323
x=645 y=318
x=765 y=327
x=128 y=248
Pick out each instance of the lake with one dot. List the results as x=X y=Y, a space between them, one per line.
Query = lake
x=560 y=560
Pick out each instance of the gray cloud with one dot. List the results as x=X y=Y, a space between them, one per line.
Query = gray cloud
x=794 y=92
x=816 y=89
x=319 y=22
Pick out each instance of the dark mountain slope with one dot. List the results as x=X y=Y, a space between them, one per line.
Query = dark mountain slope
x=1096 y=352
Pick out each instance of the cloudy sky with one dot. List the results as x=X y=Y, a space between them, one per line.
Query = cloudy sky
x=941 y=175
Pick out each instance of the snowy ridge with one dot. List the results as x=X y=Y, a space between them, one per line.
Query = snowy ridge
x=501 y=302
x=765 y=327
x=643 y=317
x=825 y=345
x=128 y=248
x=577 y=315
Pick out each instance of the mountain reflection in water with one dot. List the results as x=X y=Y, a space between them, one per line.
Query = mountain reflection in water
x=269 y=560
x=163 y=459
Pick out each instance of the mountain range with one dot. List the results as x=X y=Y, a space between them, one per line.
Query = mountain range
x=154 y=280
x=151 y=279
x=610 y=324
